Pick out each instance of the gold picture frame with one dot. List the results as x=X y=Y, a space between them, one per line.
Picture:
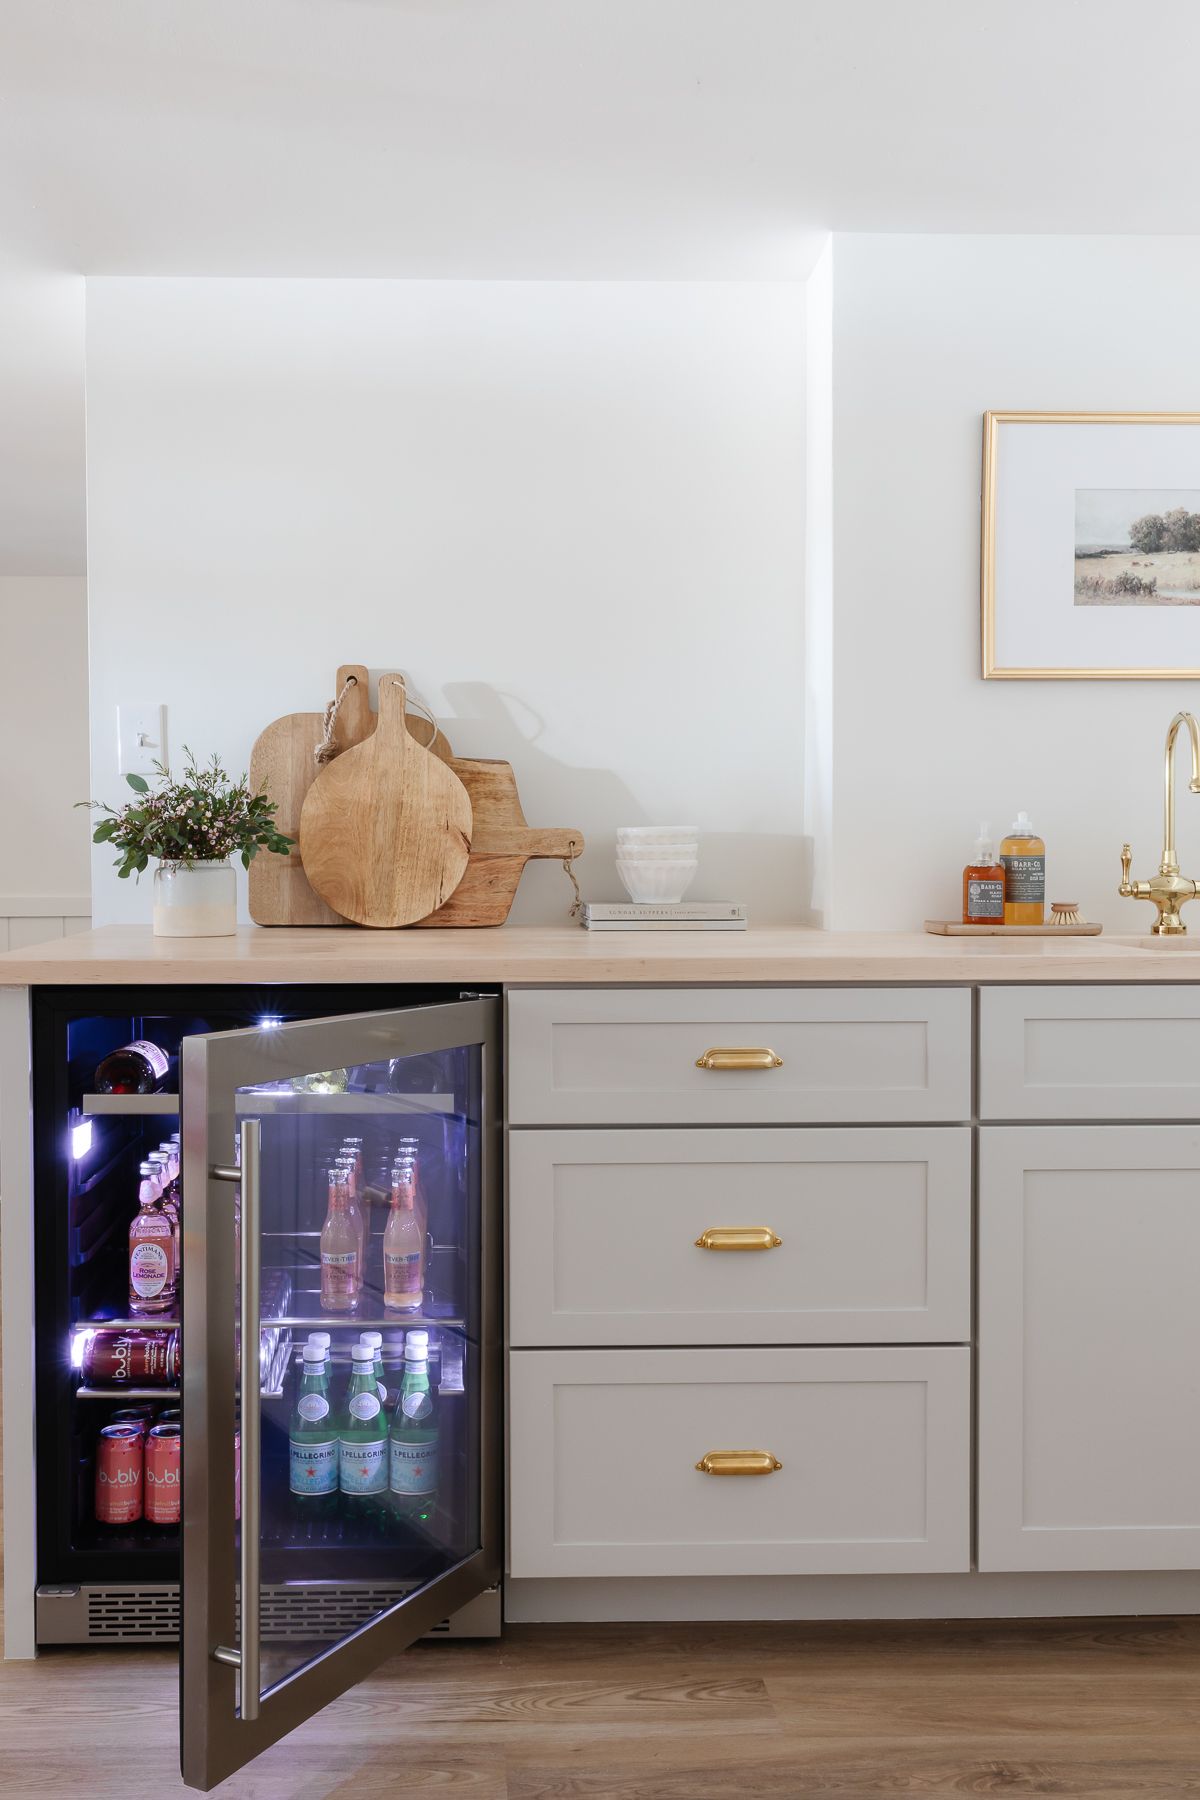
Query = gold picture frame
x=993 y=423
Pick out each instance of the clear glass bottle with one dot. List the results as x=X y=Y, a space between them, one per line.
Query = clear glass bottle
x=363 y=1448
x=983 y=883
x=313 y=1443
x=151 y=1251
x=403 y=1248
x=1023 y=854
x=347 y=1161
x=341 y=1266
x=413 y=1455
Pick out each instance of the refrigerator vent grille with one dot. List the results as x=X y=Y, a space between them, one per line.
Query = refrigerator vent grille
x=287 y=1613
x=145 y=1615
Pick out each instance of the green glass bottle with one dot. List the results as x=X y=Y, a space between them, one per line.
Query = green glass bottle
x=375 y=1340
x=364 y=1442
x=313 y=1443
x=413 y=1461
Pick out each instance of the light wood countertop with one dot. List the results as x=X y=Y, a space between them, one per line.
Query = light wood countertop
x=532 y=955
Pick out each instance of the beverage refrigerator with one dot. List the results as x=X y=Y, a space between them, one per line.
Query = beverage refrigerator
x=282 y=1592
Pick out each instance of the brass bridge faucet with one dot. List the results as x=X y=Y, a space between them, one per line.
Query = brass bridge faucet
x=1168 y=889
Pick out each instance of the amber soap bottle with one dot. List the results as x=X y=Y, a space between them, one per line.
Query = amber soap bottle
x=1024 y=857
x=983 y=884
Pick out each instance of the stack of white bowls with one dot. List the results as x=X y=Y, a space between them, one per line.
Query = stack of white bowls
x=656 y=863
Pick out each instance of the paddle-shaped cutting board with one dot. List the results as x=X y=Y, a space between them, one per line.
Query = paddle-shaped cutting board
x=385 y=830
x=284 y=764
x=501 y=844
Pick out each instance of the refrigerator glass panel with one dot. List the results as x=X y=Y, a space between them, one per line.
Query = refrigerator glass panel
x=369 y=1208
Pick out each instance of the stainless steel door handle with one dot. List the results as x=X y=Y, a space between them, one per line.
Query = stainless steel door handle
x=247 y=1657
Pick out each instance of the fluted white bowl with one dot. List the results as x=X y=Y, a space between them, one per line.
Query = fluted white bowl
x=657 y=834
x=659 y=853
x=656 y=884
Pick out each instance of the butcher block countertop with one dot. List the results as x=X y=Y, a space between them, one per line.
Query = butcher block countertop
x=537 y=955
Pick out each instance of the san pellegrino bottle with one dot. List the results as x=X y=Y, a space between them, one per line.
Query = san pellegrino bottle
x=413 y=1456
x=341 y=1262
x=364 y=1437
x=393 y=1367
x=374 y=1341
x=403 y=1247
x=313 y=1445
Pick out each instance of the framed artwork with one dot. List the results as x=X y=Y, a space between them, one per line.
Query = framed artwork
x=1090 y=559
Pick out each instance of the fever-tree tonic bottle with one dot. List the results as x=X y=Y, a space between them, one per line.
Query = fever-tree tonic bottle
x=414 y=1437
x=364 y=1440
x=313 y=1446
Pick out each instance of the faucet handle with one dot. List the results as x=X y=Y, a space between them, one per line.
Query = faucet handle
x=1126 y=886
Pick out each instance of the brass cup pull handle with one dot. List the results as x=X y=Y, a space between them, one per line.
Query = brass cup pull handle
x=734 y=1058
x=739 y=1462
x=738 y=1237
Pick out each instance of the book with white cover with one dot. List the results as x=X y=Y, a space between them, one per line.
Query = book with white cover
x=685 y=915
x=664 y=924
x=694 y=912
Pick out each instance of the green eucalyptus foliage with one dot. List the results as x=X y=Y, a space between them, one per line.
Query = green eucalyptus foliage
x=205 y=817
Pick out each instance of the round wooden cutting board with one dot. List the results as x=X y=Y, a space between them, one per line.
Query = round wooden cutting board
x=385 y=830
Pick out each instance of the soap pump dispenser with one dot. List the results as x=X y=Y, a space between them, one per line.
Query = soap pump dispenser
x=983 y=883
x=1024 y=857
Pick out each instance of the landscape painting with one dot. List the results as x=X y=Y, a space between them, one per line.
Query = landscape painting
x=1137 y=546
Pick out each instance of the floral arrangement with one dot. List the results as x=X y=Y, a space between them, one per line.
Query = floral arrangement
x=205 y=817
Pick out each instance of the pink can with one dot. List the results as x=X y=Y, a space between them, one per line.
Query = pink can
x=162 y=1476
x=119 y=1475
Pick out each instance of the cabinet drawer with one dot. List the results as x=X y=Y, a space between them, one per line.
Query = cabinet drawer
x=1090 y=1052
x=875 y=1228
x=628 y=1056
x=874 y=1447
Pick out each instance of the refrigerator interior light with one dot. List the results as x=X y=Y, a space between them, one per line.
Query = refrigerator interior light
x=81 y=1139
x=269 y=1022
x=79 y=1343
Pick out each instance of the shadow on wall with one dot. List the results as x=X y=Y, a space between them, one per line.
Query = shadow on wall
x=771 y=873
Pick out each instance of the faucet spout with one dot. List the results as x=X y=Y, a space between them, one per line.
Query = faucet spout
x=1170 y=862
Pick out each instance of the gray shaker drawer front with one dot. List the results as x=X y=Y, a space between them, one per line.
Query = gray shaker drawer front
x=861 y=1461
x=767 y=1236
x=1090 y=1052
x=630 y=1056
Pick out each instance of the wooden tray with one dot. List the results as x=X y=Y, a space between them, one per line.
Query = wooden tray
x=953 y=928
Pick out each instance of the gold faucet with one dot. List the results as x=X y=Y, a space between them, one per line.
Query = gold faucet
x=1168 y=889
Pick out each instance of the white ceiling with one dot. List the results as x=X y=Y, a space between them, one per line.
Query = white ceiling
x=622 y=139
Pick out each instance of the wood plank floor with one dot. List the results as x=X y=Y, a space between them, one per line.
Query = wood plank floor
x=1109 y=1709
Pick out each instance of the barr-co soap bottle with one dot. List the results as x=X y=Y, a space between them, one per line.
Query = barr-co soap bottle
x=1024 y=857
x=983 y=883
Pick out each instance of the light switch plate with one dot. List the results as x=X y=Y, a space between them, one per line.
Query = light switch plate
x=141 y=737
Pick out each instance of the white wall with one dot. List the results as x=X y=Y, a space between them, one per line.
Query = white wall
x=928 y=332
x=572 y=513
x=44 y=768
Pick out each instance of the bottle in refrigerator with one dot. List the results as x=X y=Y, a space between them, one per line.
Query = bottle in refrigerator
x=313 y=1443
x=413 y=1440
x=347 y=1162
x=374 y=1342
x=363 y=1450
x=341 y=1262
x=393 y=1367
x=138 y=1068
x=403 y=1247
x=151 y=1253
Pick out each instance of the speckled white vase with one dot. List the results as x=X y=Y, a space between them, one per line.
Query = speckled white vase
x=196 y=902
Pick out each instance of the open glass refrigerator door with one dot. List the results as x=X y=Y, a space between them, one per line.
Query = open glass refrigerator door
x=341 y=1485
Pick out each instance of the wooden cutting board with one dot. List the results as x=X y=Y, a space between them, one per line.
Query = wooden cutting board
x=952 y=928
x=282 y=762
x=501 y=844
x=385 y=829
